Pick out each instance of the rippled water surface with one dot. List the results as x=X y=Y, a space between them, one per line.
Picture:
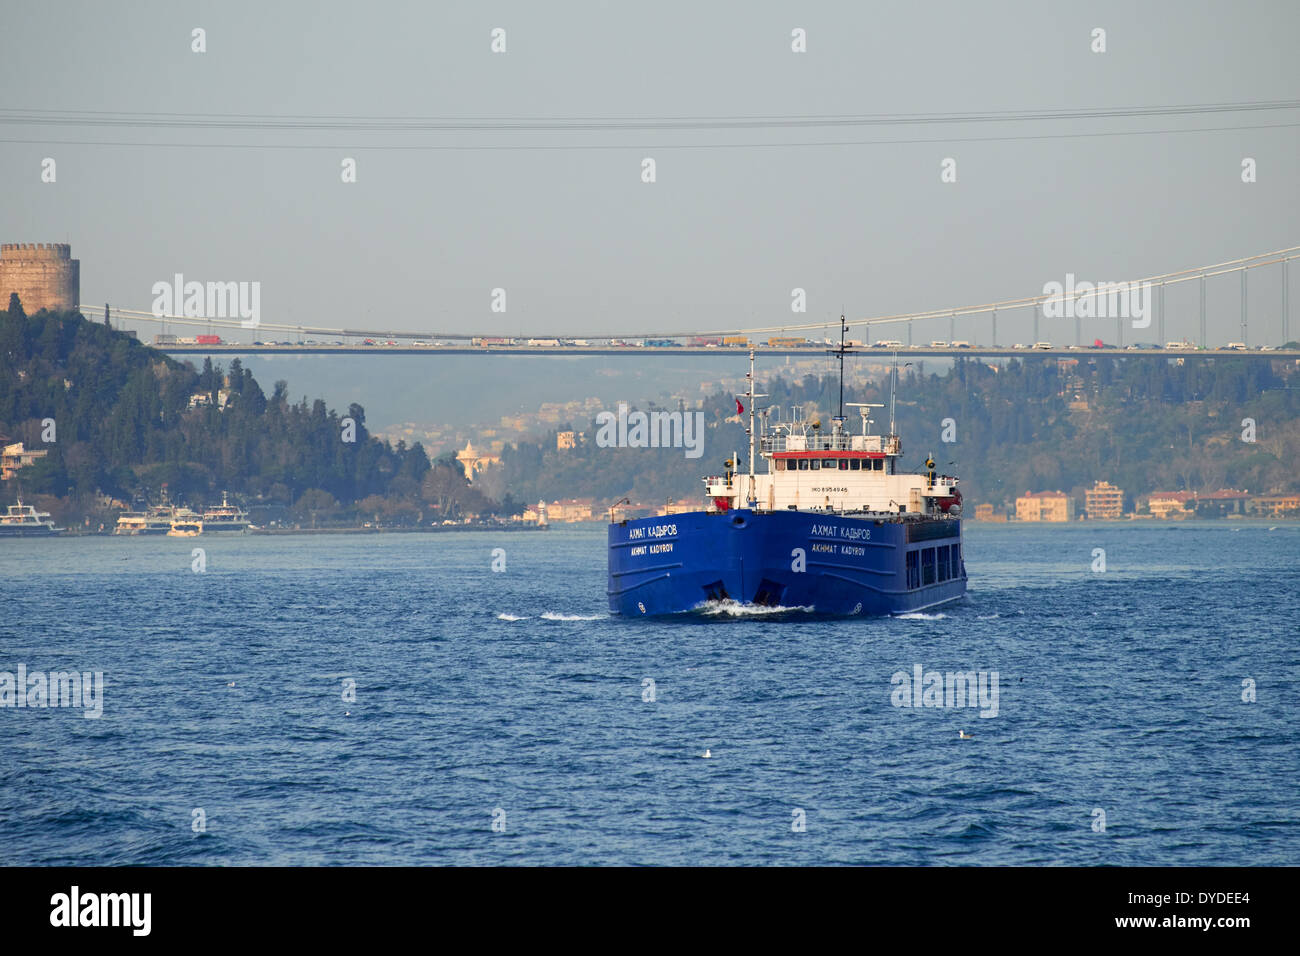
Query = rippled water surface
x=515 y=693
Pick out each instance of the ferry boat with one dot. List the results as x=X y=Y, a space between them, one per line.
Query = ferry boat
x=132 y=522
x=225 y=517
x=155 y=520
x=185 y=524
x=21 y=521
x=831 y=527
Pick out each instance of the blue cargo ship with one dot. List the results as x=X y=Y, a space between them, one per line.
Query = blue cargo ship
x=829 y=527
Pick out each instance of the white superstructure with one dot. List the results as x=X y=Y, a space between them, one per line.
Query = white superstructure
x=809 y=470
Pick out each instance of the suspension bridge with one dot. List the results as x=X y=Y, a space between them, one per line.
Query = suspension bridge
x=1138 y=308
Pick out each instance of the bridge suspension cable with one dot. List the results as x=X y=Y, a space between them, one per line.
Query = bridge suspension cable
x=1169 y=278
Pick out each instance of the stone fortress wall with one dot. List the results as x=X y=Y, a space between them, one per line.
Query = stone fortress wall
x=44 y=275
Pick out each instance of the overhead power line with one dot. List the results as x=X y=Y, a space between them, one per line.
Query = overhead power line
x=793 y=144
x=517 y=124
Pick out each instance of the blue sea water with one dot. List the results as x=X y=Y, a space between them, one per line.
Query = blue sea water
x=512 y=696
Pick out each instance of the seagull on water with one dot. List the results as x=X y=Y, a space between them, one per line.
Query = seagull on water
x=964 y=736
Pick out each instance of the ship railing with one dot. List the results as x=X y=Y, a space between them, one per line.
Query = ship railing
x=818 y=443
x=842 y=442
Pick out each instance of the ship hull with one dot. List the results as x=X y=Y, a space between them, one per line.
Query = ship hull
x=26 y=531
x=229 y=527
x=827 y=563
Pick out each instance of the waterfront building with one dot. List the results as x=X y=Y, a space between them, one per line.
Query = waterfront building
x=1046 y=506
x=15 y=456
x=1277 y=506
x=1103 y=501
x=1171 y=504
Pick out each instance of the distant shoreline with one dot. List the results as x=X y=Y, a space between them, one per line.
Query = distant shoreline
x=271 y=532
x=434 y=530
x=1158 y=522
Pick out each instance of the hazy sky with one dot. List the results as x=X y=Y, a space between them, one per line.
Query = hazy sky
x=579 y=242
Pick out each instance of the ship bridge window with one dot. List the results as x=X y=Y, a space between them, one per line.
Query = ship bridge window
x=780 y=464
x=844 y=464
x=878 y=464
x=803 y=464
x=855 y=464
x=828 y=462
x=814 y=464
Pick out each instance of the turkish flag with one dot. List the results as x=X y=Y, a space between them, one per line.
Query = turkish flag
x=740 y=409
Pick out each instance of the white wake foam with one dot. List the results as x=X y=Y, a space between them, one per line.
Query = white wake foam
x=511 y=617
x=920 y=616
x=552 y=616
x=736 y=609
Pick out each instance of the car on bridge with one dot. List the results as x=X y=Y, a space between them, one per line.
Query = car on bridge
x=1042 y=346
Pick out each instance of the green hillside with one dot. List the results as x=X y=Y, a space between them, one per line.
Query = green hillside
x=125 y=427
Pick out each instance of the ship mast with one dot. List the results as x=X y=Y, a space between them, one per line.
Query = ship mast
x=893 y=389
x=750 y=395
x=843 y=328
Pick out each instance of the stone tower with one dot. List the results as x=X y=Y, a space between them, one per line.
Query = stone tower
x=44 y=275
